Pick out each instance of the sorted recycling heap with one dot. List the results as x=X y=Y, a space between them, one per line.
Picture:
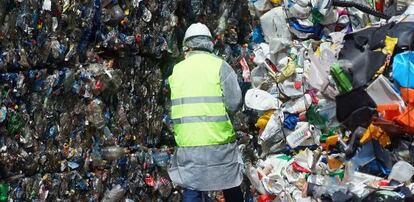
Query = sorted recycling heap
x=332 y=93
x=328 y=111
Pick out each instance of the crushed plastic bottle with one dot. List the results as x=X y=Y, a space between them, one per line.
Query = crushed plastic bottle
x=4 y=189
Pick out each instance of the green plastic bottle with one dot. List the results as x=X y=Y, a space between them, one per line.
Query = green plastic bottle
x=14 y=124
x=4 y=189
x=317 y=17
x=340 y=173
x=314 y=117
x=341 y=78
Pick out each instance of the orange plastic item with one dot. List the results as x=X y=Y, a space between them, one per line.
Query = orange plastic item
x=376 y=133
x=331 y=140
x=407 y=119
x=334 y=163
x=389 y=111
x=407 y=95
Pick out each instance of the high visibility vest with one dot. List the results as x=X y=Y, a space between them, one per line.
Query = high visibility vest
x=197 y=109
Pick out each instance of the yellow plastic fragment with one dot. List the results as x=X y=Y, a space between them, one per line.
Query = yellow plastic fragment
x=286 y=72
x=390 y=43
x=276 y=1
x=262 y=121
x=376 y=133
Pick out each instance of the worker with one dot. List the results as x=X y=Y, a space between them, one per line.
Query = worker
x=204 y=93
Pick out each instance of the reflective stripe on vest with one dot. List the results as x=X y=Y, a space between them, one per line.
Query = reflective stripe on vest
x=197 y=107
x=192 y=100
x=193 y=119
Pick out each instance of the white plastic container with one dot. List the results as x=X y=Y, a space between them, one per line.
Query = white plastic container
x=273 y=126
x=401 y=171
x=381 y=92
x=299 y=105
x=302 y=132
x=261 y=100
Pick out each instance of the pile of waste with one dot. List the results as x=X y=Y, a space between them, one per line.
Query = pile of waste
x=333 y=99
x=84 y=110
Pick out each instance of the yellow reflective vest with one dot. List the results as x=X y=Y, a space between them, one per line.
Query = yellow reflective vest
x=197 y=108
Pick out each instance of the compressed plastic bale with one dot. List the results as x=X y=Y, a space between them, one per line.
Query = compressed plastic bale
x=127 y=106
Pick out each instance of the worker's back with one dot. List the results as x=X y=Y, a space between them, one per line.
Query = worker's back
x=198 y=111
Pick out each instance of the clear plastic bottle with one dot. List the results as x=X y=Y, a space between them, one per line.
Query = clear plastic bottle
x=95 y=113
x=115 y=194
x=113 y=152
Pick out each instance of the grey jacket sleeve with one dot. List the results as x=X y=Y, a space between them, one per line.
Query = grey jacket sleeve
x=232 y=95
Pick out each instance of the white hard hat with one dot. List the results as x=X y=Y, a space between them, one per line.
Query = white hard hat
x=197 y=29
